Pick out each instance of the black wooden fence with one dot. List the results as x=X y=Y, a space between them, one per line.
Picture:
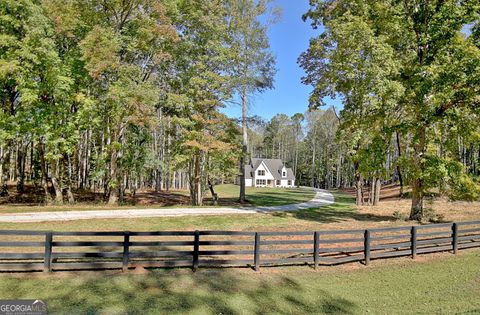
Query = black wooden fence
x=47 y=251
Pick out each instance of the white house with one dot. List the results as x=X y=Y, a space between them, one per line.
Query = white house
x=268 y=173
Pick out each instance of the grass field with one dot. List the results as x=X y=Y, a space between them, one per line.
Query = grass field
x=227 y=193
x=439 y=283
x=338 y=213
x=444 y=285
x=260 y=196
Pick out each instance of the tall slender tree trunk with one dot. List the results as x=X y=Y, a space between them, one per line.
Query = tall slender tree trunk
x=115 y=180
x=43 y=166
x=168 y=173
x=55 y=177
x=113 y=184
x=243 y=158
x=372 y=192
x=399 y=171
x=418 y=193
x=68 y=186
x=196 y=180
x=358 y=185
x=3 y=170
x=21 y=157
x=378 y=186
x=313 y=163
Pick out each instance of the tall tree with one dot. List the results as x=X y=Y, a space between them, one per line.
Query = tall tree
x=407 y=60
x=201 y=85
x=252 y=64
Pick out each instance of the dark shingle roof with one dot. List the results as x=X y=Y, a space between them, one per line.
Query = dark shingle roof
x=274 y=165
x=248 y=172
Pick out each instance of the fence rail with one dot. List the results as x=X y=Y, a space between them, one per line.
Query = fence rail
x=47 y=251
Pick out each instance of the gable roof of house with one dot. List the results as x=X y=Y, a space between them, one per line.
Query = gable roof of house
x=275 y=166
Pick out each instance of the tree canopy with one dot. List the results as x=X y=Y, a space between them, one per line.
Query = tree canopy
x=406 y=67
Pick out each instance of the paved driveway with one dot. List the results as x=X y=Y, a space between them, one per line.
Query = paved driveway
x=322 y=198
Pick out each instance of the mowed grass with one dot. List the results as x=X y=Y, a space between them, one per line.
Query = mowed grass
x=449 y=284
x=310 y=219
x=262 y=196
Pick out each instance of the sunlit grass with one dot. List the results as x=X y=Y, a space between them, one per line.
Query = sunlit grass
x=310 y=219
x=446 y=285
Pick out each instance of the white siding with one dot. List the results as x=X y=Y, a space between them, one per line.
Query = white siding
x=264 y=178
x=284 y=183
x=248 y=182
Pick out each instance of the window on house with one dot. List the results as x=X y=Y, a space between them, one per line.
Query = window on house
x=284 y=174
x=261 y=182
x=289 y=183
x=261 y=172
x=278 y=183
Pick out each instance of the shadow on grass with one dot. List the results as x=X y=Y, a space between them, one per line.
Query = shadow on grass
x=270 y=197
x=343 y=209
x=179 y=292
x=273 y=198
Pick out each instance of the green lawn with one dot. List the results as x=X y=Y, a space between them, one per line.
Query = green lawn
x=310 y=219
x=260 y=196
x=228 y=194
x=446 y=285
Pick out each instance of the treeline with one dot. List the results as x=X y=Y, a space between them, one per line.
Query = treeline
x=408 y=74
x=114 y=95
x=318 y=147
x=309 y=143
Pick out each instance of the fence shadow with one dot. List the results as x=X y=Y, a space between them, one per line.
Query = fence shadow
x=179 y=292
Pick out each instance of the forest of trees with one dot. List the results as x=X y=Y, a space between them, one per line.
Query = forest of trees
x=121 y=95
x=117 y=95
x=407 y=72
x=318 y=146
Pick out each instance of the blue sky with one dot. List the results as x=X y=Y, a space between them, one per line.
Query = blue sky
x=288 y=39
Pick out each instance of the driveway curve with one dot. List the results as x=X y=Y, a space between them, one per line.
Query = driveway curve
x=322 y=198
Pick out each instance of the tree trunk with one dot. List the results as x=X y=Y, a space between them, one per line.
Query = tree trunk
x=212 y=192
x=313 y=164
x=43 y=166
x=69 y=174
x=196 y=193
x=21 y=157
x=3 y=171
x=56 y=183
x=358 y=186
x=378 y=186
x=416 y=212
x=400 y=176
x=372 y=192
x=113 y=180
x=243 y=158
x=418 y=193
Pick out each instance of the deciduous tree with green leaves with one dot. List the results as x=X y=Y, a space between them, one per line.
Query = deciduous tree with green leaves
x=252 y=67
x=406 y=66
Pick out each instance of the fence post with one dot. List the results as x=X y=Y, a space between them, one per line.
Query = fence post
x=196 y=249
x=256 y=253
x=126 y=250
x=414 y=242
x=47 y=262
x=316 y=249
x=455 y=237
x=367 y=247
